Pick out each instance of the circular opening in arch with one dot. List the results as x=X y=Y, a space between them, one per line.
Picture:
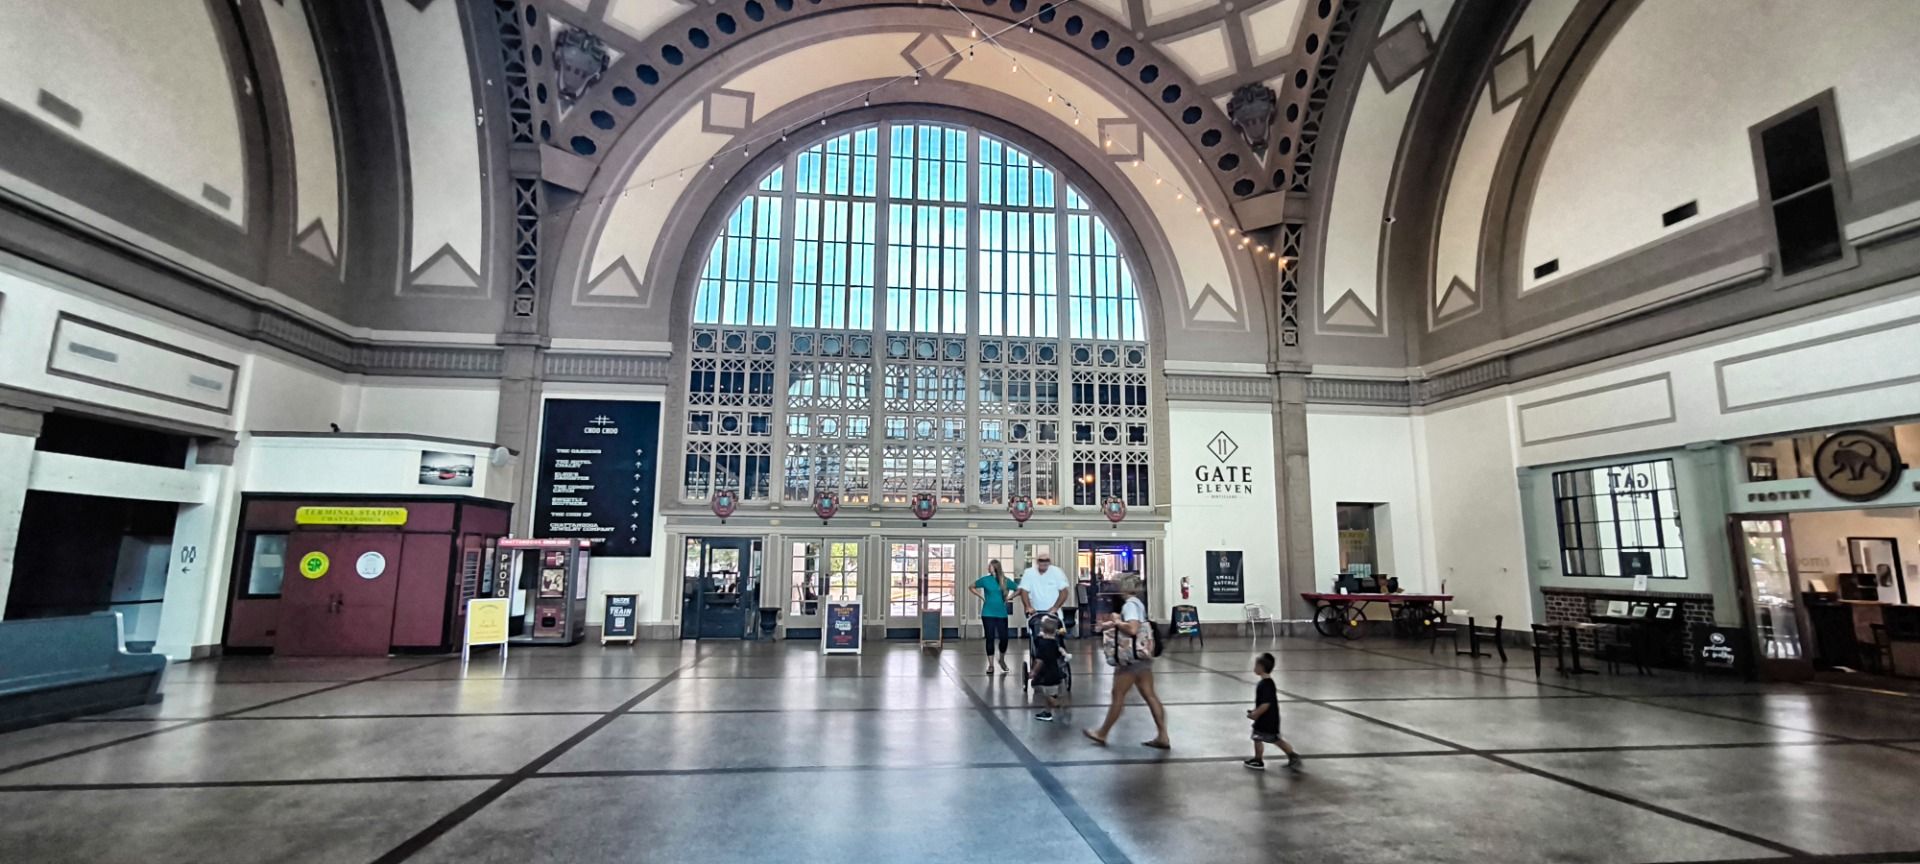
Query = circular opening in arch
x=1047 y=13
x=1313 y=43
x=1017 y=5
x=1100 y=40
x=546 y=131
x=1243 y=187
x=647 y=75
x=673 y=55
x=698 y=38
x=1191 y=116
x=1124 y=56
x=725 y=23
x=1284 y=145
x=1280 y=179
x=540 y=93
x=538 y=56
x=584 y=145
x=602 y=119
x=754 y=10
x=1170 y=94
x=1293 y=111
x=1210 y=137
x=1300 y=80
x=1075 y=25
x=1326 y=8
x=533 y=15
x=1149 y=73
x=624 y=95
x=783 y=5
x=1228 y=162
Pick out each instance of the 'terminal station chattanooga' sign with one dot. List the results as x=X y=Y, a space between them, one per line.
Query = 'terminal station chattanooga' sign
x=597 y=464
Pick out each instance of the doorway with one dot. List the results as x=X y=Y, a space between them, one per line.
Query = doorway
x=921 y=577
x=337 y=593
x=720 y=588
x=1102 y=564
x=819 y=571
x=1770 y=607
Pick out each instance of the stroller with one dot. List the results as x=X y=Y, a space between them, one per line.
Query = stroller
x=1066 y=654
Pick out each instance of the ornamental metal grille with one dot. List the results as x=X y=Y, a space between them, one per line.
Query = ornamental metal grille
x=917 y=307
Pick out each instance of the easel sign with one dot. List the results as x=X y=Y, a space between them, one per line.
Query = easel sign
x=841 y=633
x=486 y=625
x=617 y=624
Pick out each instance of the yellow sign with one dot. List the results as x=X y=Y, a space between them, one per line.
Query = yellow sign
x=350 y=516
x=487 y=621
x=313 y=565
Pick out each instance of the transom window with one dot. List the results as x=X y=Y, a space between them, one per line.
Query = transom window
x=1621 y=520
x=917 y=307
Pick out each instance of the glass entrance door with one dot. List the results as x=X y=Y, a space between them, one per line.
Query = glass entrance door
x=1770 y=605
x=818 y=572
x=1015 y=556
x=921 y=577
x=720 y=588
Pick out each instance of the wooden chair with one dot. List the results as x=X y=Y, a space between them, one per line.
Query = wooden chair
x=1550 y=637
x=1879 y=652
x=1475 y=633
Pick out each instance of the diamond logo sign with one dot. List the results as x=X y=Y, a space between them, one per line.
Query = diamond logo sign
x=1222 y=447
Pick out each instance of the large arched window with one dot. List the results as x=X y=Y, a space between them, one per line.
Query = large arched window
x=917 y=307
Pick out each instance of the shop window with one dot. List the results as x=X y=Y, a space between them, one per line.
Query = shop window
x=1620 y=521
x=1357 y=541
x=266 y=561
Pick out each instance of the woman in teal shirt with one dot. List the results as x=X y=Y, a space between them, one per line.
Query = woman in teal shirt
x=996 y=596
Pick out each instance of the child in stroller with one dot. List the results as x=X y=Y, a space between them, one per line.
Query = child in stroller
x=1042 y=627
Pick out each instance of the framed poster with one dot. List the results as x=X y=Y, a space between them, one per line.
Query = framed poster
x=1225 y=581
x=438 y=468
x=598 y=458
x=1879 y=556
x=840 y=633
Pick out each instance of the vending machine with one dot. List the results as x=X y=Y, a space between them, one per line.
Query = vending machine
x=547 y=582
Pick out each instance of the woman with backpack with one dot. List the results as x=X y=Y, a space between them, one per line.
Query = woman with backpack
x=1128 y=640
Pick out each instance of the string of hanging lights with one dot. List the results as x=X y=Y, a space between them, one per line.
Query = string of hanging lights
x=979 y=37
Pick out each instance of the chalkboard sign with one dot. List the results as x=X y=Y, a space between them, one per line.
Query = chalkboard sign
x=930 y=630
x=619 y=621
x=1719 y=649
x=1186 y=621
x=1225 y=582
x=841 y=633
x=597 y=464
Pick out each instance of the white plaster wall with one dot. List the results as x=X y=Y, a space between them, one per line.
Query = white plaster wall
x=632 y=227
x=460 y=409
x=652 y=578
x=352 y=465
x=1351 y=262
x=289 y=396
x=1367 y=458
x=1475 y=543
x=315 y=160
x=1852 y=365
x=28 y=315
x=150 y=79
x=443 y=150
x=1206 y=520
x=1693 y=76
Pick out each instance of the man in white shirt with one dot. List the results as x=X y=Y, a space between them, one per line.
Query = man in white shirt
x=1044 y=587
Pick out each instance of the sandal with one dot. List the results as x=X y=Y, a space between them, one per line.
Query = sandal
x=1097 y=740
x=1158 y=745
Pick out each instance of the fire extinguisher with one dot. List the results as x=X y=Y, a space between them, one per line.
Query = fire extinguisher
x=1186 y=591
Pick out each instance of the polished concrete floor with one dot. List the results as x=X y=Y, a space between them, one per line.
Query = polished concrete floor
x=769 y=752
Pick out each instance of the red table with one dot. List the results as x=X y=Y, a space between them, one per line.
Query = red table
x=1345 y=614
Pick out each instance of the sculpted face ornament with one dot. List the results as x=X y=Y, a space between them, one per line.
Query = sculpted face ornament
x=579 y=59
x=1020 y=508
x=1251 y=109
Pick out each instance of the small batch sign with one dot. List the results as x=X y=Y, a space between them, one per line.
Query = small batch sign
x=618 y=622
x=350 y=516
x=1225 y=581
x=841 y=631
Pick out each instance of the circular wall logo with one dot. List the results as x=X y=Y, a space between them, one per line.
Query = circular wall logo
x=1718 y=638
x=1857 y=465
x=370 y=565
x=313 y=565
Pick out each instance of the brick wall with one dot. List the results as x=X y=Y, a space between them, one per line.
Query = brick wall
x=1574 y=605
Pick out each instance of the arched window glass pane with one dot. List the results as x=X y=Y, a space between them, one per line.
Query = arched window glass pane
x=956 y=321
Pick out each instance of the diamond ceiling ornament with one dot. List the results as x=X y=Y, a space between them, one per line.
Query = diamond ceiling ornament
x=933 y=53
x=1222 y=447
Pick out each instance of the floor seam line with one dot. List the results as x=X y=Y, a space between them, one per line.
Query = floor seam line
x=466 y=810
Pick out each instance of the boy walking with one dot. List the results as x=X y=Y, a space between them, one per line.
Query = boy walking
x=1265 y=715
x=1048 y=656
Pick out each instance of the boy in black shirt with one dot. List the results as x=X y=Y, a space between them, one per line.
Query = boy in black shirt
x=1046 y=673
x=1266 y=717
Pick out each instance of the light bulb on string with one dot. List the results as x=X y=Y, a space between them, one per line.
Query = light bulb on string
x=866 y=100
x=1016 y=66
x=1049 y=97
x=1216 y=221
x=916 y=79
x=709 y=164
x=973 y=33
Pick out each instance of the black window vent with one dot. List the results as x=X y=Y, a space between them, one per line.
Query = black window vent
x=1547 y=269
x=1680 y=214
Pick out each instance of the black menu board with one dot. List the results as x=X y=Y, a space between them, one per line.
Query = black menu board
x=597 y=464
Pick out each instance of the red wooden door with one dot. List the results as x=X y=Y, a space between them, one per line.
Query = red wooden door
x=336 y=598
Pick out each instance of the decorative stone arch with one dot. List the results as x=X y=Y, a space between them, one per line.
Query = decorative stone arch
x=1107 y=58
x=579 y=228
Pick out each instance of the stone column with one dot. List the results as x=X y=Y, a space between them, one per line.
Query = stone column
x=197 y=565
x=19 y=430
x=1294 y=493
x=517 y=428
